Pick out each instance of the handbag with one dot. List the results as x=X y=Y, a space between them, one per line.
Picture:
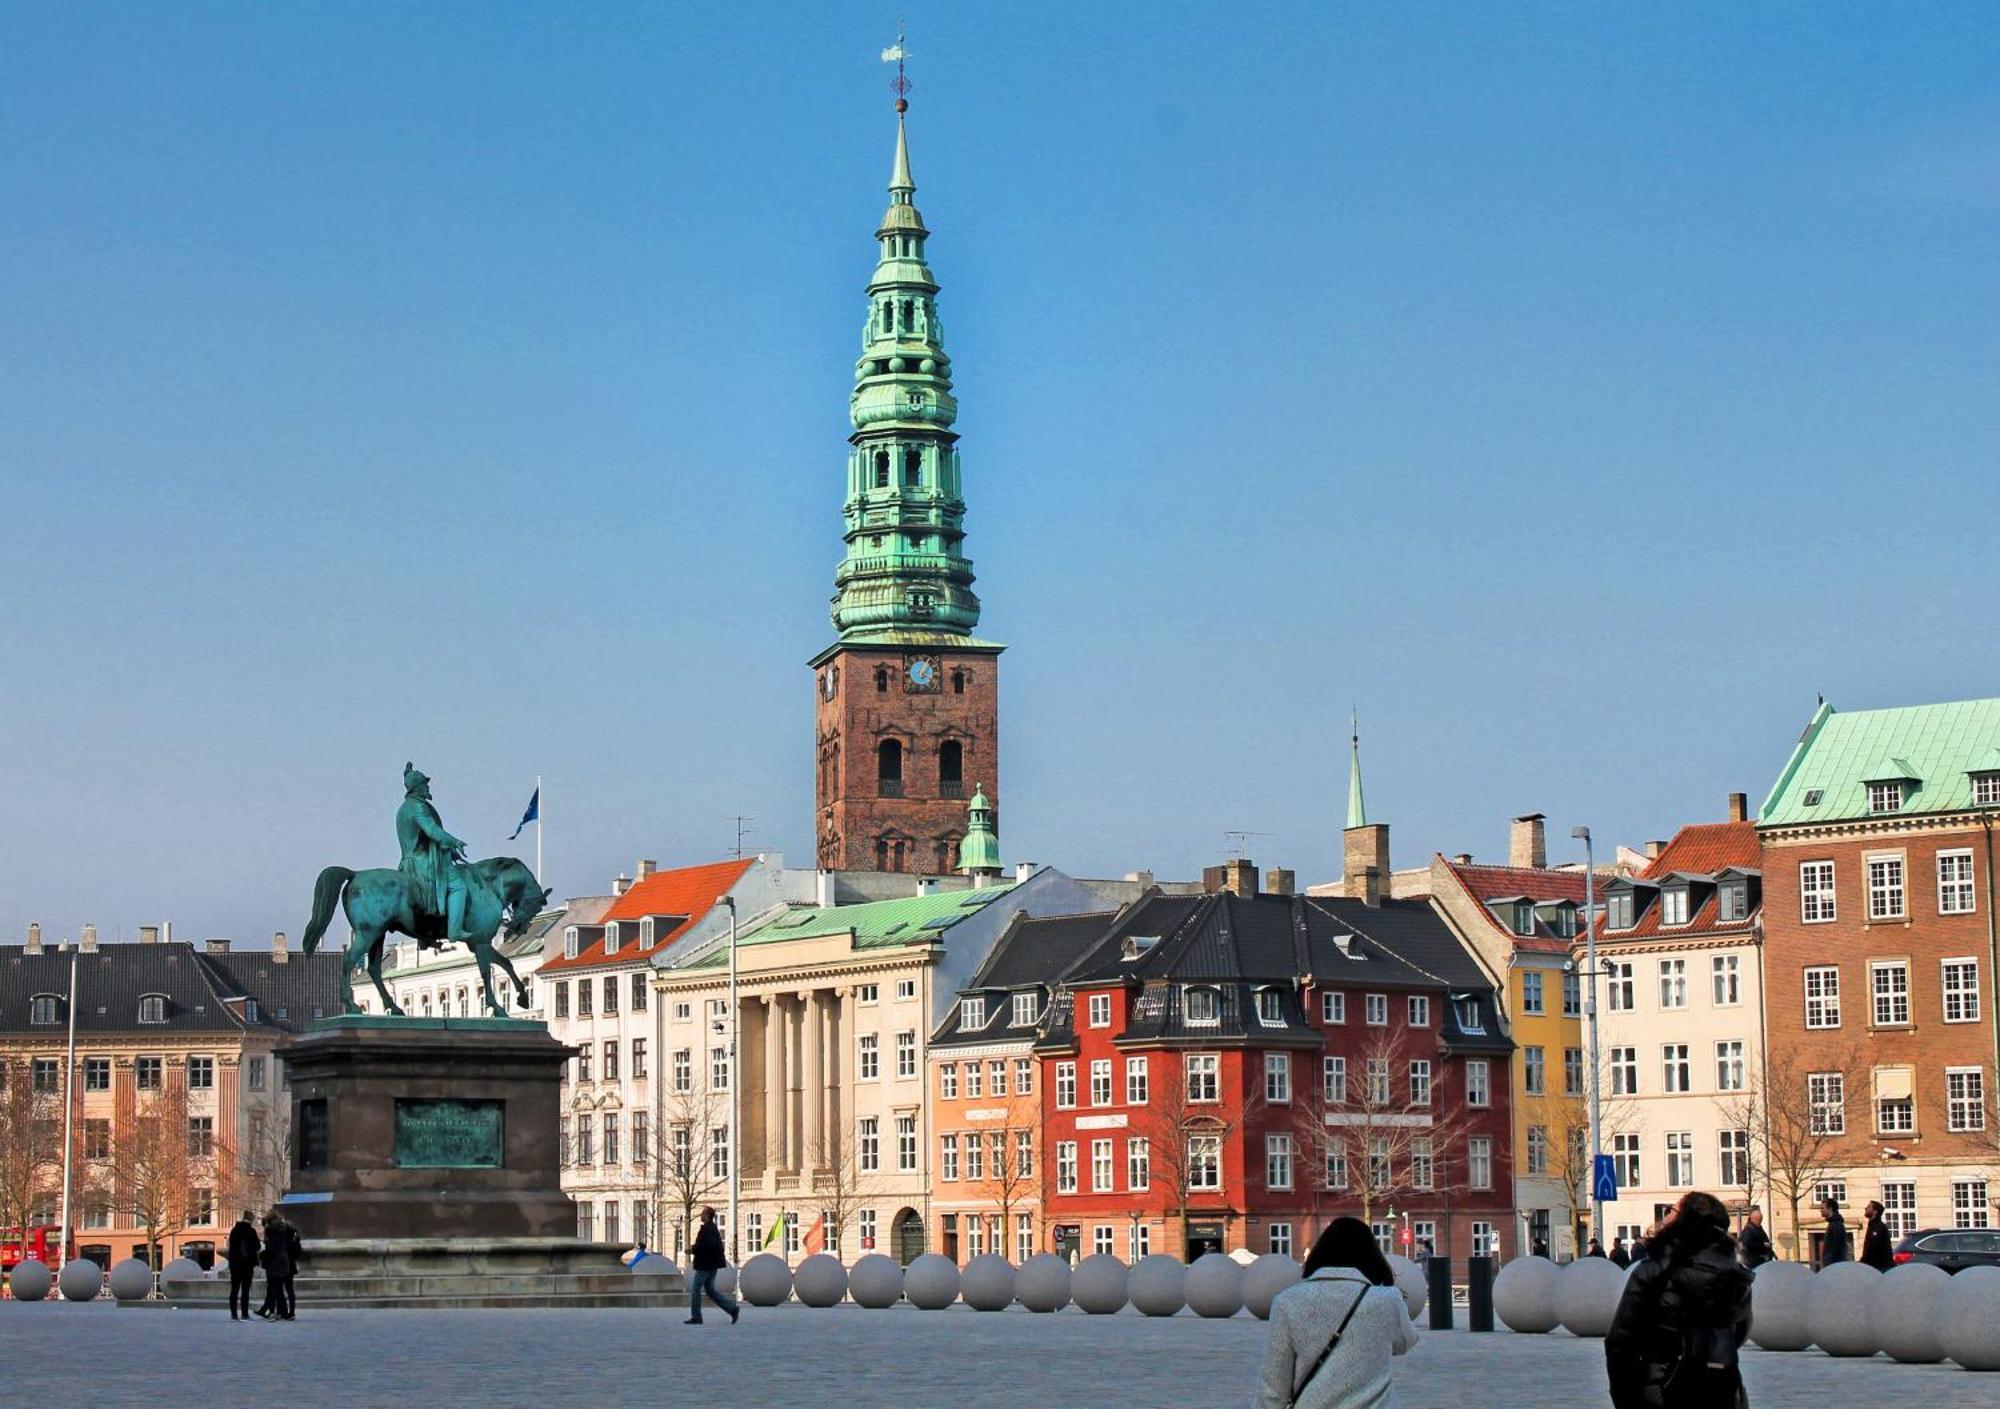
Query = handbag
x=1331 y=1346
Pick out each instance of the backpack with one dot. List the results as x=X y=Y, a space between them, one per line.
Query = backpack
x=1706 y=1375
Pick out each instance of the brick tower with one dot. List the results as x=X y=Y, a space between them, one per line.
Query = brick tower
x=908 y=700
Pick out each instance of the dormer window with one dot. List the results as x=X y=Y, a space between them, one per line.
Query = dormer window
x=249 y=1010
x=611 y=938
x=1469 y=1016
x=1732 y=899
x=1562 y=919
x=1618 y=907
x=1885 y=797
x=1813 y=796
x=570 y=943
x=1986 y=789
x=1270 y=1007
x=1674 y=905
x=1026 y=1009
x=1524 y=917
x=1202 y=1007
x=646 y=933
x=972 y=1011
x=153 y=1009
x=44 y=1010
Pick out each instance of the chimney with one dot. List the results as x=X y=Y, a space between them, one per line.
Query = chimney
x=1025 y=869
x=1238 y=876
x=1371 y=888
x=1144 y=878
x=1527 y=849
x=646 y=868
x=215 y=946
x=1464 y=858
x=1739 y=807
x=1279 y=881
x=34 y=945
x=927 y=885
x=149 y=934
x=1654 y=848
x=280 y=948
x=89 y=945
x=823 y=888
x=1362 y=848
x=620 y=884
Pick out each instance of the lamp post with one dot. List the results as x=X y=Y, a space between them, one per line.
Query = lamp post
x=735 y=1096
x=68 y=1121
x=1582 y=834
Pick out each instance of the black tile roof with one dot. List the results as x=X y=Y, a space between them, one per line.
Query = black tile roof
x=200 y=989
x=289 y=995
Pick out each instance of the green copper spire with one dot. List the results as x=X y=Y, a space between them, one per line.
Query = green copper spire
x=1357 y=810
x=905 y=575
x=979 y=852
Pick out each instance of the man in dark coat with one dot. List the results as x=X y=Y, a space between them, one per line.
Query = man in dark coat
x=1618 y=1252
x=1596 y=1249
x=1878 y=1249
x=1755 y=1242
x=281 y=1243
x=1683 y=1317
x=708 y=1259
x=244 y=1246
x=1834 y=1247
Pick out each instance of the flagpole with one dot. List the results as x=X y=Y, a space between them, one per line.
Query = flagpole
x=538 y=832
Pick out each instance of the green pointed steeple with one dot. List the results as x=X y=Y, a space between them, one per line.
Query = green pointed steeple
x=979 y=852
x=905 y=576
x=1357 y=810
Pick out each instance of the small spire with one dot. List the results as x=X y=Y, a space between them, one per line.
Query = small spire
x=1357 y=810
x=979 y=852
x=899 y=175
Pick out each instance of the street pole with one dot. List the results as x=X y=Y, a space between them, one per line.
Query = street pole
x=735 y=1096
x=540 y=807
x=1590 y=1018
x=69 y=1115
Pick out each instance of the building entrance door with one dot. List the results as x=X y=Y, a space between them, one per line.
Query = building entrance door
x=908 y=1232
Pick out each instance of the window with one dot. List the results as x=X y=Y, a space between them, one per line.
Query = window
x=1676 y=1071
x=907 y=988
x=1732 y=900
x=611 y=1137
x=1674 y=905
x=1680 y=1159
x=683 y=1011
x=1478 y=1088
x=1899 y=1207
x=1885 y=797
x=1890 y=981
x=586 y=1140
x=1835 y=1189
x=639 y=1059
x=610 y=1061
x=1138 y=1164
x=1138 y=1242
x=1024 y=1154
x=1538 y=1149
x=146 y=1073
x=201 y=1136
x=1378 y=1081
x=1203 y=1077
x=1135 y=1081
x=610 y=995
x=1618 y=910
x=1065 y=1166
x=871 y=1057
x=1534 y=1070
x=1823 y=997
x=1101 y=1238
x=1377 y=1009
x=1624 y=1071
x=1618 y=976
x=1065 y=1085
x=562 y=997
x=1885 y=888
x=972 y=1011
x=1100 y=1083
x=1572 y=1071
x=1816 y=905
x=152 y=1009
x=1673 y=983
x=1270 y=1007
x=1420 y=1011
x=975 y=1080
x=1333 y=1080
x=642 y=1138
x=1725 y=980
x=1423 y=1164
x=1469 y=1017
x=1277 y=1077
x=1485 y=1242
x=1336 y=1165
x=948 y=1157
x=1279 y=1236
x=889 y=768
x=1625 y=1160
x=948 y=1081
x=1100 y=1167
x=1479 y=1162
x=1204 y=1162
x=1986 y=793
x=906 y=1056
x=1100 y=1010
x=1025 y=1010
x=906 y=1143
x=1531 y=992
x=1965 y=1098
x=1733 y=1154
x=1420 y=1082
x=1969 y=1206
x=1961 y=990
x=201 y=1073
x=868 y=1146
x=1333 y=1007
x=996 y=1078
x=1277 y=1161
x=1203 y=1007
x=1024 y=1076
x=718 y=1068
x=638 y=1006
x=1826 y=1100
x=1730 y=1073
x=1572 y=995
x=44 y=1010
x=683 y=1069
x=253 y=1068
x=1524 y=917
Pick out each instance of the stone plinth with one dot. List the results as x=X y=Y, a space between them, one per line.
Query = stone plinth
x=426 y=1128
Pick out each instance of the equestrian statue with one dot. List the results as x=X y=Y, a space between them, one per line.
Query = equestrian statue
x=434 y=895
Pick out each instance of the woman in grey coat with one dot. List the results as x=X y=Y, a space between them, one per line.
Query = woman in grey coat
x=1347 y=1284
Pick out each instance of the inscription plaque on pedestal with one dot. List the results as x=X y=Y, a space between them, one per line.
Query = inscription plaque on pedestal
x=450 y=1134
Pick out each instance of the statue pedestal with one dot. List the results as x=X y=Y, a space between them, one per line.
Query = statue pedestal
x=426 y=1128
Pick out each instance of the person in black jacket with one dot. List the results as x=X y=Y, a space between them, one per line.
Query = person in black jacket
x=1878 y=1249
x=1620 y=1254
x=244 y=1247
x=1683 y=1317
x=281 y=1255
x=1754 y=1241
x=1834 y=1247
x=708 y=1259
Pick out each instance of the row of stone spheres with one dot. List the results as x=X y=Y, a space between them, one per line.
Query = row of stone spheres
x=84 y=1280
x=1915 y=1313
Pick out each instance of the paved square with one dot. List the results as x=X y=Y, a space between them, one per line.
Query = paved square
x=844 y=1358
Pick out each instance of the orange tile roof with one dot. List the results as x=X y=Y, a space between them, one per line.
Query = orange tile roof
x=1707 y=847
x=1487 y=884
x=690 y=890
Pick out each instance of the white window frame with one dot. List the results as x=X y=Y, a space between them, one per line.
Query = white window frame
x=1479 y=1162
x=1892 y=997
x=1673 y=984
x=948 y=1157
x=1138 y=1082
x=1674 y=906
x=1676 y=1068
x=1100 y=1082
x=1478 y=1082
x=1333 y=1080
x=1822 y=1008
x=1965 y=1099
x=948 y=1081
x=1066 y=1171
x=1376 y=1009
x=1277 y=1161
x=1211 y=1003
x=1885 y=797
x=1725 y=977
x=1278 y=1077
x=1624 y=1064
x=1957 y=895
x=1986 y=789
x=1818 y=902
x=1333 y=1007
x=1102 y=1171
x=1138 y=1163
x=1204 y=1162
x=1826 y=1102
x=1619 y=985
x=972 y=1011
x=1732 y=1158
x=1270 y=1004
x=1100 y=1010
x=1420 y=1081
x=1420 y=1010
x=906 y=1054
x=1970 y=1204
x=1065 y=1086
x=1204 y=1078
x=1958 y=979
x=1899 y=1207
x=1731 y=1064
x=1625 y=1159
x=869 y=1068
x=1026 y=1010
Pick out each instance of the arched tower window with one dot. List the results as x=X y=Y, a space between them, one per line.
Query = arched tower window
x=958 y=682
x=881 y=469
x=913 y=467
x=881 y=679
x=909 y=315
x=947 y=859
x=881 y=854
x=888 y=315
x=951 y=768
x=897 y=859
x=889 y=768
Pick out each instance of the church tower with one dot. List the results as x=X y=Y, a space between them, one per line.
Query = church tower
x=908 y=701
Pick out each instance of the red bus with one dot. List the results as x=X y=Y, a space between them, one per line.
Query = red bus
x=41 y=1243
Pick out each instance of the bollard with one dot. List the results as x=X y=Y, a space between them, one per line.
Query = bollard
x=1479 y=1294
x=1439 y=1271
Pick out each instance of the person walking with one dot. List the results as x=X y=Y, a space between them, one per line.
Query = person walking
x=1754 y=1241
x=242 y=1251
x=1334 y=1335
x=1619 y=1254
x=1878 y=1249
x=1596 y=1249
x=1834 y=1247
x=1683 y=1317
x=708 y=1259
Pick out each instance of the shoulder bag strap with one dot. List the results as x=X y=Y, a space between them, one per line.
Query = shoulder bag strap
x=1338 y=1332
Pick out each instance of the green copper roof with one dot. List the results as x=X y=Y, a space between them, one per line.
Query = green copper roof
x=980 y=849
x=877 y=924
x=1934 y=747
x=1357 y=810
x=905 y=568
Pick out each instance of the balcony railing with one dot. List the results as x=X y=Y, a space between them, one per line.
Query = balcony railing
x=889 y=787
x=951 y=787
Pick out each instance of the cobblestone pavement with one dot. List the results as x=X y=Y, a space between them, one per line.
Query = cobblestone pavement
x=844 y=1358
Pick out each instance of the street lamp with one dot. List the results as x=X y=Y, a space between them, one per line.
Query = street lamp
x=735 y=1096
x=1582 y=834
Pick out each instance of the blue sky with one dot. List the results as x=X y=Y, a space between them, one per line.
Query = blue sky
x=1578 y=389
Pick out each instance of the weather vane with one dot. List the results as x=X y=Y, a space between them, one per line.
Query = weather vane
x=900 y=84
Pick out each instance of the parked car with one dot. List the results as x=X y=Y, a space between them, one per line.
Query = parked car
x=1951 y=1248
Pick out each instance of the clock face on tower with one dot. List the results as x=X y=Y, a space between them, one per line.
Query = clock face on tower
x=921 y=674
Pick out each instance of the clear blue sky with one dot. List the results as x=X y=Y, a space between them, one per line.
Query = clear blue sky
x=1578 y=389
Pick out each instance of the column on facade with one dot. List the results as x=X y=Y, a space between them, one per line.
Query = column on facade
x=832 y=1067
x=774 y=1085
x=812 y=1019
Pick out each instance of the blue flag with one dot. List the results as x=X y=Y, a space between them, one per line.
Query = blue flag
x=533 y=814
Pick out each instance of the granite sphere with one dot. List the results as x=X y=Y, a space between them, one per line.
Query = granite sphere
x=1264 y=1279
x=876 y=1281
x=1156 y=1284
x=1098 y=1284
x=725 y=1281
x=1042 y=1284
x=653 y=1265
x=931 y=1282
x=1411 y=1282
x=1524 y=1295
x=81 y=1279
x=1215 y=1285
x=766 y=1280
x=987 y=1283
x=820 y=1280
x=30 y=1280
x=1970 y=1309
x=1837 y=1308
x=1778 y=1306
x=132 y=1280
x=1904 y=1307
x=1587 y=1293
x=181 y=1269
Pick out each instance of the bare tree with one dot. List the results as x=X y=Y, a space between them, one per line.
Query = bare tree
x=689 y=1167
x=1012 y=1160
x=1564 y=1126
x=160 y=1161
x=844 y=1174
x=1796 y=1124
x=1388 y=1121
x=260 y=1170
x=1186 y=1132
x=30 y=1145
